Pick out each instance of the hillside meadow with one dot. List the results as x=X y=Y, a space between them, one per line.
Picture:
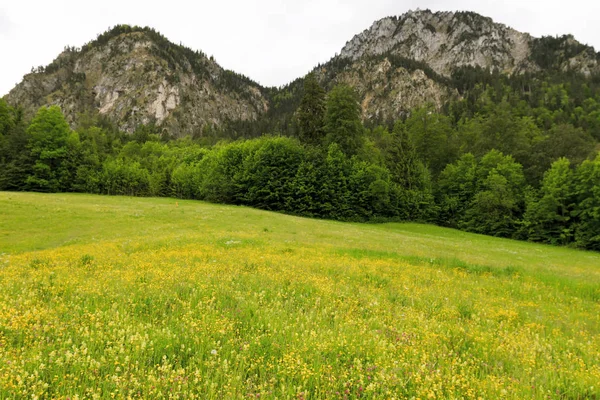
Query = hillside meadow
x=121 y=297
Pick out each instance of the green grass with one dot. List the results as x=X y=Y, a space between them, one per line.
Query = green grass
x=150 y=298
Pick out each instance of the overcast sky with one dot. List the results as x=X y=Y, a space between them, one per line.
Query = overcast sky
x=272 y=42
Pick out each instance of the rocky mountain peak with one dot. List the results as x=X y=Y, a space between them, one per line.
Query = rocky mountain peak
x=450 y=40
x=135 y=76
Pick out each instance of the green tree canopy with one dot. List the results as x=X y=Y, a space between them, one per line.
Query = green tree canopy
x=587 y=211
x=49 y=143
x=498 y=204
x=342 y=120
x=431 y=134
x=561 y=141
x=457 y=187
x=15 y=163
x=548 y=216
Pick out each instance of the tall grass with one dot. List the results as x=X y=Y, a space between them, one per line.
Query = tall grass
x=114 y=297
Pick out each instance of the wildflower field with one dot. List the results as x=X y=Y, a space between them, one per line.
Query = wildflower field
x=118 y=297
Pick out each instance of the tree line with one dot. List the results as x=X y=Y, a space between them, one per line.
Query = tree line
x=492 y=162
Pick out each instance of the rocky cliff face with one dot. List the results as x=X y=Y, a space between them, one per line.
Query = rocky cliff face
x=377 y=62
x=387 y=89
x=447 y=40
x=134 y=76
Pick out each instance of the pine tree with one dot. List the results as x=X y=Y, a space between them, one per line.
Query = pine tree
x=15 y=163
x=311 y=112
x=402 y=159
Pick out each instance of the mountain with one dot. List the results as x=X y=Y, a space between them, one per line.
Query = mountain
x=446 y=41
x=135 y=76
x=402 y=62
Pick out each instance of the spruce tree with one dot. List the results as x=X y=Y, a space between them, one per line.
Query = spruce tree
x=311 y=111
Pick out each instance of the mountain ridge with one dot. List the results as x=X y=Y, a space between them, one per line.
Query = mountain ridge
x=447 y=40
x=135 y=76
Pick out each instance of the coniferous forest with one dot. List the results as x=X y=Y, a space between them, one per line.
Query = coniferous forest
x=515 y=157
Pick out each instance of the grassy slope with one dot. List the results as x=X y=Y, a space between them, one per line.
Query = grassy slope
x=130 y=296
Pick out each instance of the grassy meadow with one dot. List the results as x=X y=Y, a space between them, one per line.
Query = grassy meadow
x=118 y=297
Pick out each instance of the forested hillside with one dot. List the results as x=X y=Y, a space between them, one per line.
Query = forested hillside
x=372 y=135
x=513 y=157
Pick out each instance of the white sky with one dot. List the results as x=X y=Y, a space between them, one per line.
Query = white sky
x=272 y=42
